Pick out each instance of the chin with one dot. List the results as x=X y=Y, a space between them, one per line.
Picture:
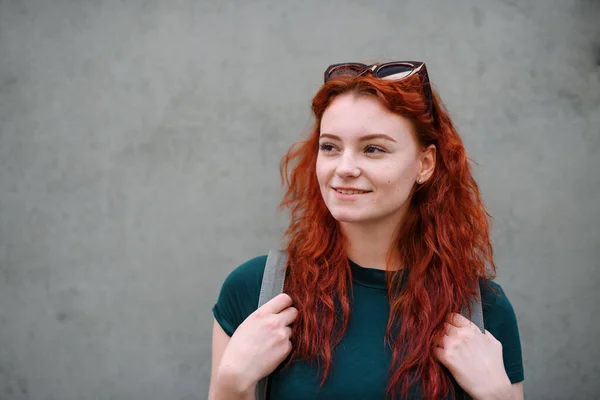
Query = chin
x=349 y=217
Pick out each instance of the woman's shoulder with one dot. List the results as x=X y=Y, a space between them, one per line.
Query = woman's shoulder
x=498 y=313
x=247 y=274
x=501 y=321
x=494 y=299
x=238 y=297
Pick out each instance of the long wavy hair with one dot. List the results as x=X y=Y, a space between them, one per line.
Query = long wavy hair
x=443 y=241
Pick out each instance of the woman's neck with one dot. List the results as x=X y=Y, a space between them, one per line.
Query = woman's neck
x=369 y=246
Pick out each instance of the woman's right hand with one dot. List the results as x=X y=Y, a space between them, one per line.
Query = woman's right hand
x=260 y=343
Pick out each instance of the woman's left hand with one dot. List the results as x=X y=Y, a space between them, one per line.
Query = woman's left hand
x=474 y=359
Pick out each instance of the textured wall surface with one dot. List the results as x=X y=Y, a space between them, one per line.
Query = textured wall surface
x=139 y=150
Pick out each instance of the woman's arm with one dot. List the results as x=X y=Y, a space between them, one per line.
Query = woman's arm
x=517 y=389
x=221 y=386
x=512 y=392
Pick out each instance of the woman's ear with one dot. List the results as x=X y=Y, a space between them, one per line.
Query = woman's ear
x=427 y=160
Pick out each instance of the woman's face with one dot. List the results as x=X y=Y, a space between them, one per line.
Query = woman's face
x=368 y=161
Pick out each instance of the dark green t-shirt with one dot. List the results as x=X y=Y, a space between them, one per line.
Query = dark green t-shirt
x=361 y=360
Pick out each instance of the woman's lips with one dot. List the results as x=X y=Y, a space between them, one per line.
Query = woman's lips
x=348 y=193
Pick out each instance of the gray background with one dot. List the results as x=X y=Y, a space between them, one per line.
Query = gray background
x=139 y=151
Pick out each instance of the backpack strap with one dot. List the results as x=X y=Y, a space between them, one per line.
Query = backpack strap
x=476 y=315
x=272 y=285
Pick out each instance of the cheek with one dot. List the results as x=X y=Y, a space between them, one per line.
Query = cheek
x=399 y=177
x=321 y=172
x=398 y=185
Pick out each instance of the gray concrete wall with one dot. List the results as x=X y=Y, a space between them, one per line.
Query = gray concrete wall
x=139 y=150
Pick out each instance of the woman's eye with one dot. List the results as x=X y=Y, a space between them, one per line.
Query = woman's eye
x=326 y=147
x=374 y=149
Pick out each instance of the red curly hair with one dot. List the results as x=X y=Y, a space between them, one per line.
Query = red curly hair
x=443 y=241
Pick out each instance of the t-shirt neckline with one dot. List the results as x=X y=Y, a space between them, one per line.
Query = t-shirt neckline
x=370 y=277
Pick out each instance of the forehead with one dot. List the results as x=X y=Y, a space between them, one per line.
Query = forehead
x=350 y=116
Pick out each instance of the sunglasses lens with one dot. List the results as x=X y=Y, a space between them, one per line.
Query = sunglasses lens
x=346 y=69
x=395 y=71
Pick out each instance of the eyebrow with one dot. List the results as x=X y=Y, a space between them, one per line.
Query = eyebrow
x=362 y=138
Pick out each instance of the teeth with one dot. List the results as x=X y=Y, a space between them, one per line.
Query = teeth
x=350 y=191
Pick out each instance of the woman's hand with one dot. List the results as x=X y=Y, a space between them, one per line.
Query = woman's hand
x=474 y=359
x=259 y=344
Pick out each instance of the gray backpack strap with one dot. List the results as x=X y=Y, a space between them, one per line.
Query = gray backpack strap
x=476 y=310
x=272 y=285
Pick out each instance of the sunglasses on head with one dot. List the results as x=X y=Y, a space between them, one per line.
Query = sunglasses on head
x=392 y=71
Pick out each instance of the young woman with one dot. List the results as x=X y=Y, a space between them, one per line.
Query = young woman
x=388 y=239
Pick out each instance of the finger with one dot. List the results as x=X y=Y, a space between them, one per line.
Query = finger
x=459 y=321
x=289 y=347
x=288 y=315
x=277 y=303
x=440 y=354
x=451 y=330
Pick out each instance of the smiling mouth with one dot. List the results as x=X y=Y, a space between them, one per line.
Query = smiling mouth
x=351 y=191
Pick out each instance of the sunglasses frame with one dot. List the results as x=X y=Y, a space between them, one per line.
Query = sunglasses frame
x=418 y=67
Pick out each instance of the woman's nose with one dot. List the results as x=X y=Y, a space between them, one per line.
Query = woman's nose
x=347 y=166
